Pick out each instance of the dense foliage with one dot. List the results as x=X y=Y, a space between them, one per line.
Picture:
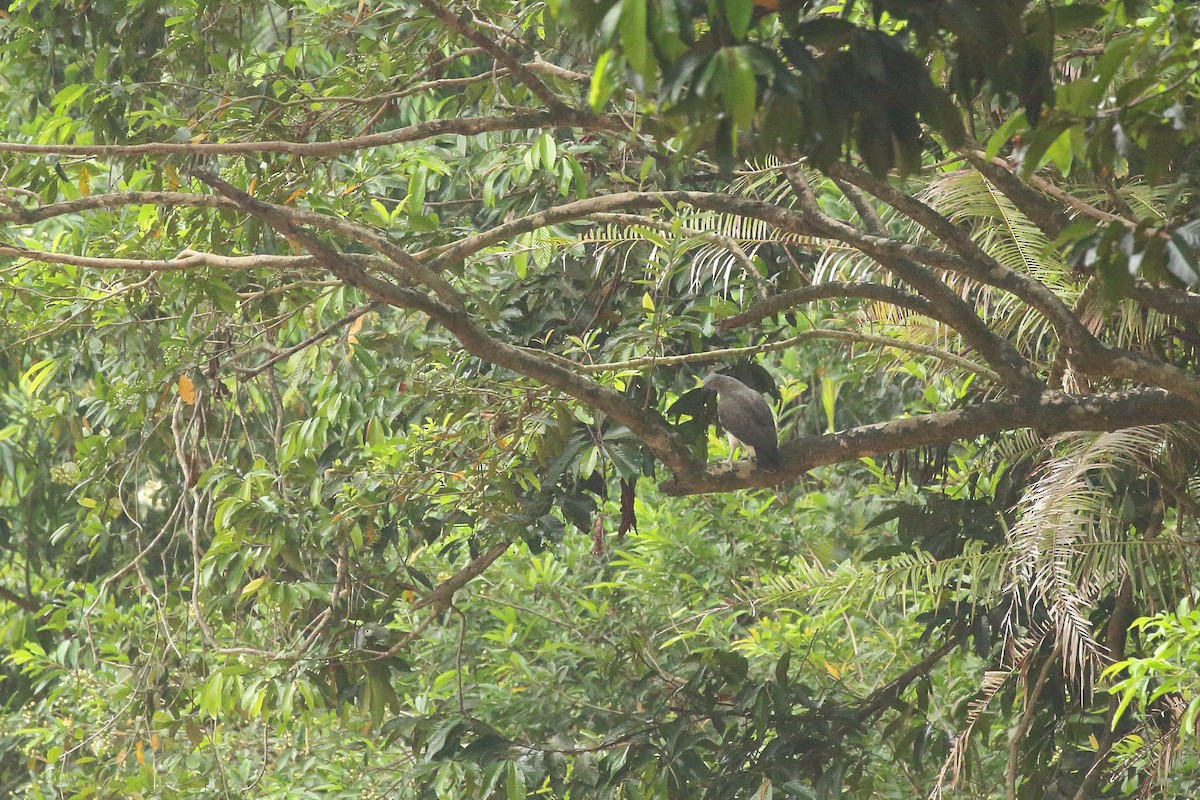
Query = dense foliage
x=351 y=442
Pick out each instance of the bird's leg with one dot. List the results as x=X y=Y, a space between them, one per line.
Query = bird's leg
x=733 y=443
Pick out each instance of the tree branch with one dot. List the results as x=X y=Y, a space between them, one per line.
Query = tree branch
x=457 y=23
x=1015 y=372
x=1048 y=217
x=771 y=347
x=1018 y=735
x=971 y=260
x=884 y=696
x=24 y=603
x=443 y=593
x=1176 y=302
x=823 y=291
x=185 y=261
x=249 y=372
x=649 y=426
x=462 y=126
x=1053 y=412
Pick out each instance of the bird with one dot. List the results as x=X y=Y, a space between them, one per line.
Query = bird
x=746 y=415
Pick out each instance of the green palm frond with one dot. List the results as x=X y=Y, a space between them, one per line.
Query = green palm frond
x=974 y=576
x=1007 y=235
x=841 y=263
x=719 y=244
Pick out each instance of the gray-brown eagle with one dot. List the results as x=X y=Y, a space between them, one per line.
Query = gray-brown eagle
x=746 y=415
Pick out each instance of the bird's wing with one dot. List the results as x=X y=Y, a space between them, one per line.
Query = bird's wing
x=748 y=417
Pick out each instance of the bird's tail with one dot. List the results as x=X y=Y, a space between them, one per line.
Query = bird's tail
x=767 y=458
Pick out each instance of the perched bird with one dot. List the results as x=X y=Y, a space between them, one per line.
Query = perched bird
x=745 y=414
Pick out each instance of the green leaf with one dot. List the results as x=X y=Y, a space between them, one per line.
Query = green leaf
x=37 y=377
x=740 y=91
x=1016 y=122
x=738 y=14
x=514 y=782
x=549 y=151
x=67 y=95
x=632 y=30
x=829 y=393
x=416 y=192
x=602 y=85
x=1060 y=152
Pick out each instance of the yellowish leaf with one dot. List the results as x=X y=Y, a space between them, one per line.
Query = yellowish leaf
x=187 y=390
x=154 y=742
x=294 y=196
x=139 y=752
x=833 y=670
x=253 y=184
x=85 y=181
x=355 y=327
x=253 y=586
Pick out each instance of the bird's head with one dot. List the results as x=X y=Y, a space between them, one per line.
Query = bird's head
x=716 y=382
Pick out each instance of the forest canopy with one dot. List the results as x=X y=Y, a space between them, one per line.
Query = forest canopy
x=352 y=435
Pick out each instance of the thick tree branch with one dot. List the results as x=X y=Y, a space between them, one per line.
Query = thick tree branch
x=1089 y=354
x=1052 y=413
x=1015 y=372
x=24 y=603
x=971 y=260
x=1176 y=302
x=1037 y=208
x=649 y=426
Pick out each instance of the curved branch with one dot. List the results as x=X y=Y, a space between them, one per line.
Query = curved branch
x=824 y=291
x=1015 y=371
x=771 y=347
x=1053 y=412
x=457 y=23
x=971 y=260
x=448 y=255
x=188 y=260
x=29 y=216
x=415 y=270
x=1176 y=302
x=1048 y=217
x=647 y=424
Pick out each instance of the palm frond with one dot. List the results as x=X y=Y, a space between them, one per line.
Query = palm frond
x=1068 y=505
